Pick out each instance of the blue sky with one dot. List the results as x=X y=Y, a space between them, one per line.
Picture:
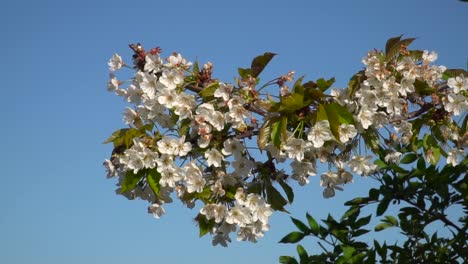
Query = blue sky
x=56 y=204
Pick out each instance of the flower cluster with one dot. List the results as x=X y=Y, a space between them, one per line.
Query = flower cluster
x=190 y=136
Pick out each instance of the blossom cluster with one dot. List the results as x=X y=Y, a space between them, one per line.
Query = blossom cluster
x=189 y=134
x=192 y=163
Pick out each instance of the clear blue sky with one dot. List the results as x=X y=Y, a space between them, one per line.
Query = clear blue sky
x=56 y=204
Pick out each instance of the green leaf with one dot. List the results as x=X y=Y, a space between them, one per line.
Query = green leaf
x=278 y=131
x=355 y=82
x=336 y=115
x=394 y=47
x=275 y=198
x=264 y=135
x=321 y=113
x=436 y=155
x=422 y=88
x=362 y=222
x=131 y=180
x=208 y=92
x=350 y=213
x=360 y=232
x=391 y=220
x=382 y=207
x=298 y=87
x=348 y=251
x=288 y=260
x=204 y=224
x=314 y=226
x=184 y=127
x=124 y=137
x=260 y=62
x=409 y=158
x=153 y=178
x=464 y=126
x=291 y=103
x=392 y=42
x=287 y=189
x=292 y=237
x=300 y=225
x=452 y=73
x=421 y=165
x=244 y=73
x=380 y=163
x=302 y=253
x=323 y=85
x=196 y=69
x=382 y=226
x=115 y=135
x=357 y=201
x=374 y=194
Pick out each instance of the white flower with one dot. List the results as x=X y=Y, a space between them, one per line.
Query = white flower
x=393 y=157
x=217 y=120
x=149 y=158
x=235 y=101
x=130 y=116
x=295 y=148
x=459 y=83
x=213 y=157
x=216 y=211
x=181 y=147
x=138 y=157
x=165 y=162
x=224 y=91
x=238 y=114
x=204 y=140
x=395 y=105
x=133 y=94
x=113 y=83
x=221 y=239
x=404 y=128
x=170 y=177
x=167 y=97
x=156 y=210
x=184 y=104
x=171 y=78
x=341 y=96
x=110 y=168
x=407 y=86
x=239 y=215
x=456 y=104
x=365 y=117
x=153 y=63
x=217 y=189
x=232 y=146
x=242 y=166
x=195 y=183
x=149 y=84
x=329 y=179
x=167 y=145
x=328 y=192
x=176 y=60
x=276 y=153
x=302 y=170
x=361 y=165
x=115 y=63
x=346 y=132
x=429 y=57
x=455 y=156
x=320 y=133
x=240 y=196
x=263 y=213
